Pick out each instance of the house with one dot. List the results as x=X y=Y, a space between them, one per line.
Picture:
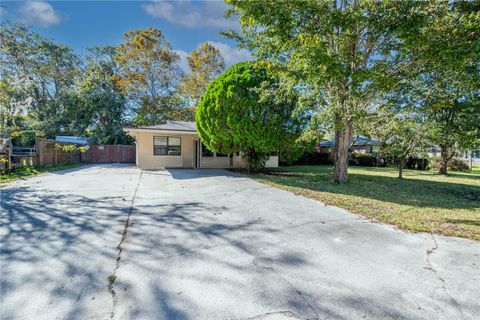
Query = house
x=360 y=144
x=470 y=156
x=73 y=140
x=176 y=144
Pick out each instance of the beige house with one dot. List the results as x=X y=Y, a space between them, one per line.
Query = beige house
x=176 y=145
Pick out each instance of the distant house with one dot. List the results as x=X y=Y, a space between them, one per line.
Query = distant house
x=73 y=140
x=360 y=144
x=469 y=156
x=176 y=144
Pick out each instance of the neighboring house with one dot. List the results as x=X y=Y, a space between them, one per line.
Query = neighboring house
x=73 y=140
x=360 y=144
x=471 y=156
x=176 y=144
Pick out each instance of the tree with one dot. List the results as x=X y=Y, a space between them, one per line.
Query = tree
x=41 y=73
x=447 y=74
x=233 y=117
x=149 y=75
x=103 y=100
x=402 y=134
x=205 y=64
x=453 y=109
x=334 y=50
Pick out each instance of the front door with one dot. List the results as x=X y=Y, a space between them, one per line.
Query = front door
x=196 y=154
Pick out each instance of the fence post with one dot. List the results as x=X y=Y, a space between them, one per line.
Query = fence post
x=39 y=146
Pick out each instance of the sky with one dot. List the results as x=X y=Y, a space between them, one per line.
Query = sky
x=83 y=24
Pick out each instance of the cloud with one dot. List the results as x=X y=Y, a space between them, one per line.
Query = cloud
x=39 y=13
x=231 y=54
x=191 y=14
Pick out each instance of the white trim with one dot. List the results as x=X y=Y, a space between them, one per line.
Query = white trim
x=158 y=131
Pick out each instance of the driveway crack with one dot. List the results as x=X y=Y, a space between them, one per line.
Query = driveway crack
x=299 y=293
x=113 y=276
x=443 y=286
x=285 y=313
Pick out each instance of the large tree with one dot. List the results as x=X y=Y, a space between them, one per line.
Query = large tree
x=335 y=50
x=149 y=75
x=447 y=74
x=41 y=74
x=204 y=64
x=102 y=100
x=234 y=117
x=332 y=48
x=402 y=134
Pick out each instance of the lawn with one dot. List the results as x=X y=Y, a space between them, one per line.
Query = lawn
x=26 y=172
x=422 y=202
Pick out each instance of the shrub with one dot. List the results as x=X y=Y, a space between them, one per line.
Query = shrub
x=291 y=154
x=363 y=159
x=454 y=164
x=417 y=163
x=314 y=158
x=233 y=116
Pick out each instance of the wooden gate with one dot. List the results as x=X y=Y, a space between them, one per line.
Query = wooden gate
x=110 y=153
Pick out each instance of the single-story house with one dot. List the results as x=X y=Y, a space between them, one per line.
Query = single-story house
x=360 y=144
x=176 y=144
x=472 y=157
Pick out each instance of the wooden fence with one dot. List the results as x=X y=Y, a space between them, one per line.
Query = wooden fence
x=47 y=154
x=110 y=153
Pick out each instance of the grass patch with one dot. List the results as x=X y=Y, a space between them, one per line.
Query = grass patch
x=27 y=172
x=423 y=201
x=476 y=169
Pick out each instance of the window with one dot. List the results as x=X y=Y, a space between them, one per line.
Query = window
x=206 y=152
x=167 y=146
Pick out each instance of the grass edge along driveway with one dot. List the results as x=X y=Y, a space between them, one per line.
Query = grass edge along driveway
x=28 y=172
x=423 y=201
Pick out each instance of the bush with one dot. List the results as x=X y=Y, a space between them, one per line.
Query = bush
x=363 y=159
x=417 y=163
x=233 y=116
x=454 y=164
x=291 y=154
x=314 y=158
x=25 y=138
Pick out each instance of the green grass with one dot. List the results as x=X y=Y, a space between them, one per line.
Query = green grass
x=26 y=172
x=421 y=202
x=476 y=169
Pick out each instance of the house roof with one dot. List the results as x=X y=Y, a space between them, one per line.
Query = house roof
x=173 y=126
x=327 y=143
x=359 y=141
x=70 y=139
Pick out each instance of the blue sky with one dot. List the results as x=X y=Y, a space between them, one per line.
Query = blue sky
x=83 y=24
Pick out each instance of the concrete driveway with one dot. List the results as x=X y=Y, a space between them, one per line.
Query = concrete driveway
x=112 y=242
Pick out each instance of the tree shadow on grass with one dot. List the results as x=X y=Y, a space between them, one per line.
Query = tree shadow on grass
x=467 y=175
x=409 y=191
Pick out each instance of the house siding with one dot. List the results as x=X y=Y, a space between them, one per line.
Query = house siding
x=145 y=158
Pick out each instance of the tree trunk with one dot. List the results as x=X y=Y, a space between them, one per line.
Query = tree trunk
x=402 y=165
x=470 y=160
x=444 y=159
x=343 y=136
